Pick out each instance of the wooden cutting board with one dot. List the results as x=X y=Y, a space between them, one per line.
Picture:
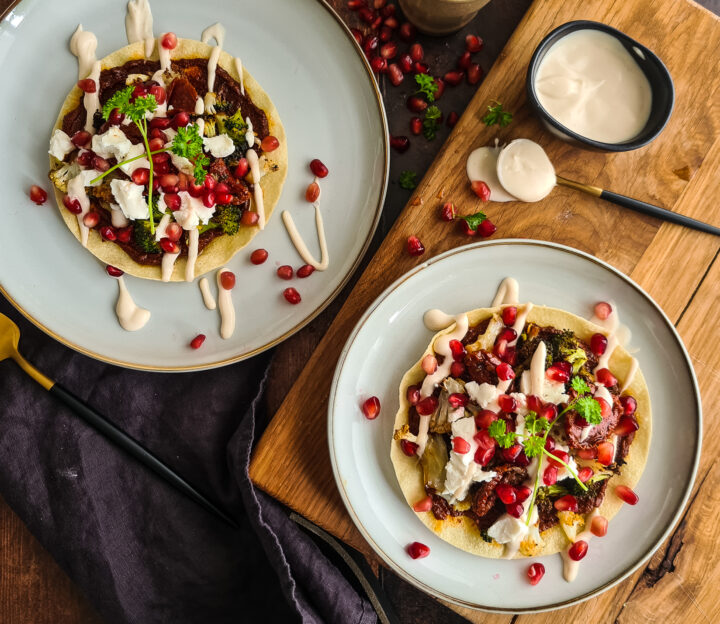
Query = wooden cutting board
x=678 y=267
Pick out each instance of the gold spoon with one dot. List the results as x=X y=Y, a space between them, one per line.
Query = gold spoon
x=9 y=339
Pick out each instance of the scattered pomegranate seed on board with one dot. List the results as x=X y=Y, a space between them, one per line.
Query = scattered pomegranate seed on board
x=417 y=550
x=366 y=15
x=227 y=280
x=370 y=44
x=292 y=296
x=269 y=144
x=409 y=448
x=424 y=504
x=481 y=189
x=285 y=272
x=447 y=211
x=441 y=88
x=391 y=22
x=258 y=256
x=629 y=405
x=486 y=228
x=474 y=73
x=464 y=61
x=305 y=270
x=415 y=247
x=454 y=78
x=113 y=271
x=386 y=34
x=578 y=550
x=356 y=5
x=358 y=35
x=603 y=310
x=249 y=218
x=400 y=143
x=599 y=526
x=169 y=41
x=38 y=194
x=624 y=493
x=313 y=192
x=473 y=43
x=466 y=229
x=197 y=342
x=420 y=67
x=415 y=125
x=371 y=408
x=536 y=570
x=87 y=85
x=413 y=394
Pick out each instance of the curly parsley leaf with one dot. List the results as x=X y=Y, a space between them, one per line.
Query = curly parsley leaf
x=427 y=86
x=188 y=143
x=580 y=385
x=408 y=180
x=474 y=220
x=135 y=109
x=534 y=446
x=496 y=115
x=431 y=122
x=589 y=409
x=498 y=431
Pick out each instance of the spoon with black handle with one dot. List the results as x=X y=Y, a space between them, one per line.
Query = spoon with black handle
x=9 y=338
x=640 y=206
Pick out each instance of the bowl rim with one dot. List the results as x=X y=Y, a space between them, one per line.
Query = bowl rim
x=572 y=26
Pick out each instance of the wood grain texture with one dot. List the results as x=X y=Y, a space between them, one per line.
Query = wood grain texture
x=678 y=267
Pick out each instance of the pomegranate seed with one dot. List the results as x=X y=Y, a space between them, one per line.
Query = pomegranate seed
x=124 y=234
x=169 y=41
x=222 y=188
x=454 y=78
x=406 y=63
x=466 y=229
x=258 y=256
x=629 y=405
x=292 y=296
x=305 y=270
x=566 y=503
x=461 y=446
x=388 y=50
x=534 y=403
x=506 y=493
x=605 y=453
x=485 y=418
x=38 y=194
x=606 y=378
x=169 y=246
x=371 y=408
x=578 y=550
x=484 y=455
x=421 y=68
x=197 y=342
x=605 y=409
x=536 y=570
x=555 y=373
x=550 y=444
x=441 y=88
x=416 y=127
x=366 y=15
x=407 y=32
x=224 y=198
x=505 y=372
x=424 y=504
x=156 y=133
x=522 y=493
x=587 y=453
x=269 y=144
x=509 y=314
x=416 y=103
x=427 y=406
x=511 y=454
x=210 y=182
x=108 y=233
x=474 y=73
x=481 y=189
x=598 y=344
x=242 y=168
x=249 y=218
x=416 y=52
x=73 y=205
x=585 y=473
x=158 y=160
x=473 y=43
x=159 y=123
x=457 y=400
x=452 y=119
x=507 y=403
x=88 y=85
x=507 y=335
x=429 y=364
x=413 y=394
x=370 y=44
x=400 y=143
x=99 y=163
x=84 y=158
x=386 y=34
x=624 y=493
x=550 y=475
x=562 y=455
x=156 y=144
x=388 y=12
x=395 y=74
x=457 y=349
x=358 y=35
x=626 y=426
x=603 y=310
x=116 y=117
x=447 y=212
x=379 y=4
x=138 y=91
x=173 y=231
x=464 y=61
x=140 y=176
x=180 y=120
x=599 y=526
x=159 y=94
x=457 y=369
x=417 y=550
x=515 y=509
x=409 y=448
x=486 y=228
x=285 y=272
x=227 y=280
x=356 y=5
x=414 y=246
x=113 y=271
x=91 y=219
x=208 y=199
x=172 y=201
x=313 y=192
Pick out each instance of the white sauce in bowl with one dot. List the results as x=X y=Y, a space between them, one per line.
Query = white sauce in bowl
x=525 y=171
x=592 y=85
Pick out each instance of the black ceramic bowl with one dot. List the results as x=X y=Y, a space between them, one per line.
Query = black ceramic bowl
x=661 y=84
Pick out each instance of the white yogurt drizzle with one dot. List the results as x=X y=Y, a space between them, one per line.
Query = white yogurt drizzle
x=129 y=314
x=249 y=133
x=207 y=295
x=239 y=70
x=507 y=293
x=92 y=100
x=76 y=190
x=117 y=217
x=300 y=243
x=167 y=265
x=217 y=32
x=200 y=108
x=193 y=238
x=520 y=322
x=164 y=54
x=139 y=24
x=436 y=320
x=570 y=567
x=225 y=305
x=254 y=163
x=83 y=44
x=616 y=334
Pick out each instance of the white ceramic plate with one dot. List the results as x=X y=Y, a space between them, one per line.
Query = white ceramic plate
x=388 y=340
x=316 y=75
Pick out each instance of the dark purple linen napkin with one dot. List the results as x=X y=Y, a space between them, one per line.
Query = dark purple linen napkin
x=139 y=550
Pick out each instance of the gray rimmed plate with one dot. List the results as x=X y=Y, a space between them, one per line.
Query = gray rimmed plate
x=331 y=109
x=388 y=340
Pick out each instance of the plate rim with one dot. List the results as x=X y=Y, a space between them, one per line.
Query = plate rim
x=333 y=396
x=303 y=322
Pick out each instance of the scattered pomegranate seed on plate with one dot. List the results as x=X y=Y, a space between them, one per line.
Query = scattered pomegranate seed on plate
x=414 y=246
x=599 y=526
x=292 y=296
x=312 y=193
x=578 y=550
x=550 y=475
x=484 y=455
x=124 y=234
x=424 y=504
x=38 y=194
x=305 y=270
x=509 y=314
x=227 y=280
x=197 y=342
x=485 y=418
x=515 y=509
x=626 y=494
x=505 y=372
x=506 y=493
x=457 y=399
x=108 y=233
x=473 y=43
x=457 y=369
x=169 y=41
x=536 y=570
x=285 y=272
x=371 y=408
x=598 y=344
x=113 y=271
x=585 y=473
x=258 y=256
x=417 y=550
x=80 y=139
x=507 y=403
x=603 y=310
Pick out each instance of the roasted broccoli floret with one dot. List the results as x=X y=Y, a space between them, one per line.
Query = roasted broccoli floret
x=235 y=127
x=144 y=239
x=228 y=218
x=222 y=106
x=210 y=126
x=63 y=174
x=566 y=346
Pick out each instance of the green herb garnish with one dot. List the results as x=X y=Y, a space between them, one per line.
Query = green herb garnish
x=496 y=115
x=408 y=180
x=427 y=86
x=431 y=122
x=474 y=220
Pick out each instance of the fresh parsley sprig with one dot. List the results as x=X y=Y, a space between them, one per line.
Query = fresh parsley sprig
x=585 y=405
x=431 y=122
x=408 y=180
x=474 y=220
x=426 y=86
x=496 y=115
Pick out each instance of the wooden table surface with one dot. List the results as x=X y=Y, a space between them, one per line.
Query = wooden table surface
x=33 y=589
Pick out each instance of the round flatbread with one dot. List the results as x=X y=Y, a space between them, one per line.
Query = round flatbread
x=462 y=531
